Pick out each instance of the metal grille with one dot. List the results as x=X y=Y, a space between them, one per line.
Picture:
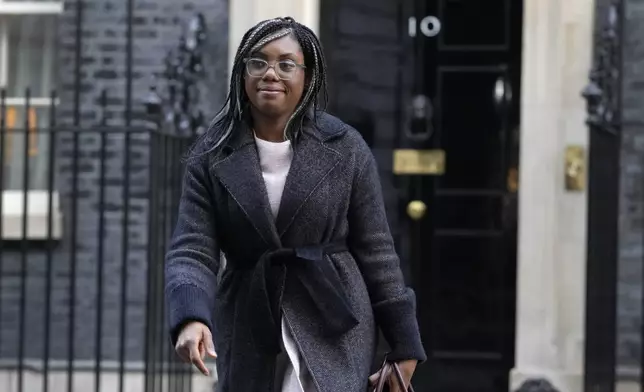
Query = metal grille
x=87 y=214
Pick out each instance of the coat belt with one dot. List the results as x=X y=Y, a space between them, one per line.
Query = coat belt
x=319 y=280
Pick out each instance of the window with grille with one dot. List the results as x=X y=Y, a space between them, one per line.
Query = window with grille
x=28 y=38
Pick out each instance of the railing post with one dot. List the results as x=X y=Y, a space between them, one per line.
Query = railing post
x=603 y=95
x=154 y=113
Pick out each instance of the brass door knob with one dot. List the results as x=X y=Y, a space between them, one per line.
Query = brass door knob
x=416 y=209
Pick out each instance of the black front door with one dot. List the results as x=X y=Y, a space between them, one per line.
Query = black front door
x=442 y=76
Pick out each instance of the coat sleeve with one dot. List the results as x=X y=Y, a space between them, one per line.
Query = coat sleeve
x=192 y=260
x=372 y=245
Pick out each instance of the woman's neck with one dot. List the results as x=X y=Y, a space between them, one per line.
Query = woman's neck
x=269 y=128
x=269 y=133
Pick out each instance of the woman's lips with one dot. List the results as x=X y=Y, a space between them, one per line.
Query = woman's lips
x=270 y=92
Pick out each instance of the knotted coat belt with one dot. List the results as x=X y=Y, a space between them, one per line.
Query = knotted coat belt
x=320 y=282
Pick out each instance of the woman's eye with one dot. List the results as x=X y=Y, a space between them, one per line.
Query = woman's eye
x=256 y=64
x=287 y=66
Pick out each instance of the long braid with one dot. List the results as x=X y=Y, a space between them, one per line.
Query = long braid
x=230 y=116
x=271 y=37
x=288 y=133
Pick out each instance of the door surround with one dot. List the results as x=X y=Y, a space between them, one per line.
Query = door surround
x=557 y=56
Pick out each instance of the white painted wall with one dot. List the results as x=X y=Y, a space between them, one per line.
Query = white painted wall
x=557 y=52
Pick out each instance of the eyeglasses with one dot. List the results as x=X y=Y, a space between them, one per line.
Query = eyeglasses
x=285 y=69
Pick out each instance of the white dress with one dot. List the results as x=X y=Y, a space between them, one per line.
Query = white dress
x=275 y=162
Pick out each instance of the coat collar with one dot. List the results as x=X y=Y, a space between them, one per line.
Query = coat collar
x=240 y=173
x=325 y=128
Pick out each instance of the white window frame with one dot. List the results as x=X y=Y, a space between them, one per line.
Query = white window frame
x=37 y=200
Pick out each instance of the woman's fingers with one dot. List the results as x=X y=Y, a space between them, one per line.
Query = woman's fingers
x=374 y=378
x=194 y=342
x=209 y=345
x=195 y=359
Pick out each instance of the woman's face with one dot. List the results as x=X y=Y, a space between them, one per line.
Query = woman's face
x=270 y=94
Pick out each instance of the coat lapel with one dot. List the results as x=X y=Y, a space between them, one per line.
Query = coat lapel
x=241 y=175
x=312 y=162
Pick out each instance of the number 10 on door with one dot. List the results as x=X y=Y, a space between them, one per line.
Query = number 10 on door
x=429 y=26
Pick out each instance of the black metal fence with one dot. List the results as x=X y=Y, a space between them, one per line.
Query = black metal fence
x=603 y=94
x=85 y=215
x=87 y=212
x=165 y=187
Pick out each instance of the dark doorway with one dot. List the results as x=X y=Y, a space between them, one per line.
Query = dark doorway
x=442 y=75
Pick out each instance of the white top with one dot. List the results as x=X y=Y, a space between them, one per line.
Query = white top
x=275 y=162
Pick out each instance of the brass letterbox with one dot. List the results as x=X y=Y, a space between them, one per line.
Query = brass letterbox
x=419 y=162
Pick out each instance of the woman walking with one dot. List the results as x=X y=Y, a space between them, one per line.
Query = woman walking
x=291 y=196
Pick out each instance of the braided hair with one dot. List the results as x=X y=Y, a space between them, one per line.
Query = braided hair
x=234 y=112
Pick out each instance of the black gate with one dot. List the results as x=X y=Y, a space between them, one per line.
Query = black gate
x=163 y=369
x=88 y=206
x=603 y=94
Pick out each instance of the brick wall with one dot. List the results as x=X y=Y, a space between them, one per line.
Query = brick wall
x=157 y=27
x=632 y=196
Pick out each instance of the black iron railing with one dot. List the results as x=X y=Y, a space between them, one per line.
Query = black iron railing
x=174 y=110
x=603 y=95
x=165 y=151
x=86 y=216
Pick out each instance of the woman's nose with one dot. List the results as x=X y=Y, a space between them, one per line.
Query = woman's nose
x=270 y=74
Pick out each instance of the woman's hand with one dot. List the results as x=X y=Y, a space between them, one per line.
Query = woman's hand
x=407 y=369
x=194 y=343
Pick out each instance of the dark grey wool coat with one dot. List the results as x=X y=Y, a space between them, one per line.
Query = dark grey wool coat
x=327 y=262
